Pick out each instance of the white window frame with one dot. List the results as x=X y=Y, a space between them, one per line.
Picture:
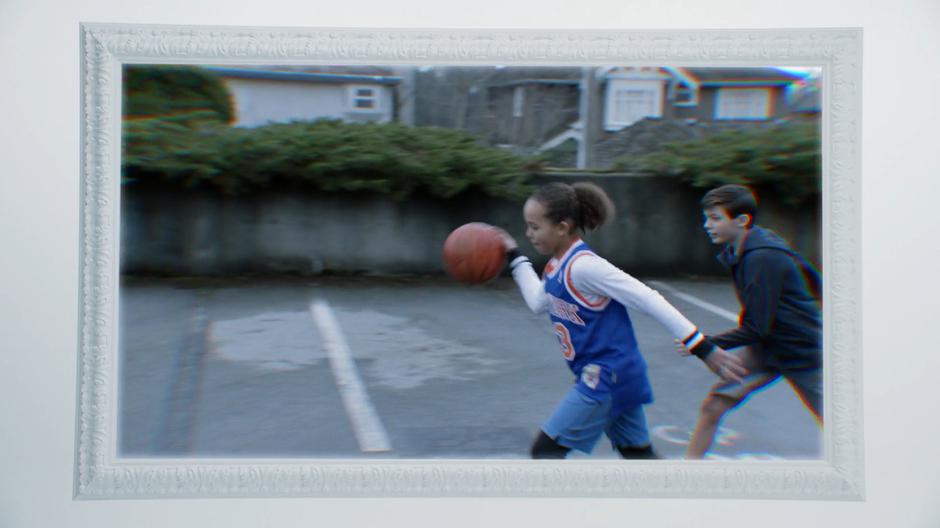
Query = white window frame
x=354 y=96
x=743 y=104
x=612 y=118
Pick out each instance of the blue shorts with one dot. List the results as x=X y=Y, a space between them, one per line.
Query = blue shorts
x=807 y=383
x=578 y=422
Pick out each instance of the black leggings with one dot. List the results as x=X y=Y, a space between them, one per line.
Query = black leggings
x=643 y=452
x=545 y=447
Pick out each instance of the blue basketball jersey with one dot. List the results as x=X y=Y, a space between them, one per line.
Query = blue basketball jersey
x=597 y=339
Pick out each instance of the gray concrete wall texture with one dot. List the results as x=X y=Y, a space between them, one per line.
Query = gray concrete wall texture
x=657 y=230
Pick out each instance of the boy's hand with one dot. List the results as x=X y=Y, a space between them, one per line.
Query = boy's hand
x=728 y=366
x=682 y=349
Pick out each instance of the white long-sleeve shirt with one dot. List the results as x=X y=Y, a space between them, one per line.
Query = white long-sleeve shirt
x=595 y=278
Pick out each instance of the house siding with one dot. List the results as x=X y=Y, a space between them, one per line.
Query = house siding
x=446 y=97
x=547 y=111
x=261 y=101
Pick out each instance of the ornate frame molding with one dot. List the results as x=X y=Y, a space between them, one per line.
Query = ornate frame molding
x=100 y=474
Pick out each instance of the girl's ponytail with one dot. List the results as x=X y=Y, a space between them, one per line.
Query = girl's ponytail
x=596 y=208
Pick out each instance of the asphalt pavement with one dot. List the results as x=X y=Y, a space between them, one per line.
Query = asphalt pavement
x=421 y=367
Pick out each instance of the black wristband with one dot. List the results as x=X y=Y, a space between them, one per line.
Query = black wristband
x=511 y=255
x=703 y=348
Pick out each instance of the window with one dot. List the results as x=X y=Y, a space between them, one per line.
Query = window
x=363 y=98
x=633 y=105
x=629 y=102
x=743 y=103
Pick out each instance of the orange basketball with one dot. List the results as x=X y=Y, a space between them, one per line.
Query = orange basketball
x=474 y=253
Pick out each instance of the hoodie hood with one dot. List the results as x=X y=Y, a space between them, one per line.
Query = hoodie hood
x=757 y=238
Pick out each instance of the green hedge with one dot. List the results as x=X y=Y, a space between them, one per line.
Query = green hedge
x=325 y=155
x=785 y=159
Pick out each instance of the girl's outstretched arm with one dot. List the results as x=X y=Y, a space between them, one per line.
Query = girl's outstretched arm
x=593 y=276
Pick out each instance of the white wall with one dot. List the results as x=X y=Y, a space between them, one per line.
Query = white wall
x=39 y=203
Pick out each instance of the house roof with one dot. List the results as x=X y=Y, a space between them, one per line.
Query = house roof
x=517 y=75
x=740 y=76
x=519 y=82
x=311 y=77
x=356 y=69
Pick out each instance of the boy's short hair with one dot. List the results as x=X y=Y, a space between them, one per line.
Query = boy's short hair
x=734 y=199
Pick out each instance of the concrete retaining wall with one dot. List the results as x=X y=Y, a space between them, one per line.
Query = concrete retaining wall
x=657 y=230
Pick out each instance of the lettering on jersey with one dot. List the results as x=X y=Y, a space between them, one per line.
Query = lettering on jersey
x=564 y=310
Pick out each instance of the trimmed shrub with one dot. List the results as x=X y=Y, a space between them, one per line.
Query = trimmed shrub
x=325 y=155
x=785 y=159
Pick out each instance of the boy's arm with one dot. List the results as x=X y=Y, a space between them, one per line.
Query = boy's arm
x=760 y=291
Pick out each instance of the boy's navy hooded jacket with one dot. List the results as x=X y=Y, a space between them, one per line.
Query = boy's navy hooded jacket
x=778 y=290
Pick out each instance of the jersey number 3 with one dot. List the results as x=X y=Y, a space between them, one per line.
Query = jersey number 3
x=564 y=338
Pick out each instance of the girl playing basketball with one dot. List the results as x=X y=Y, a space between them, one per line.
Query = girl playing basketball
x=587 y=300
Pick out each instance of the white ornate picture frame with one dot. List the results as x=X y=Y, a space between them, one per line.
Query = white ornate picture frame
x=101 y=473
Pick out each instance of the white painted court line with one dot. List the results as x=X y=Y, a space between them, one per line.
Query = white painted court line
x=717 y=310
x=365 y=421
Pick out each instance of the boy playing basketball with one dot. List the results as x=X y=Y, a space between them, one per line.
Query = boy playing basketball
x=780 y=327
